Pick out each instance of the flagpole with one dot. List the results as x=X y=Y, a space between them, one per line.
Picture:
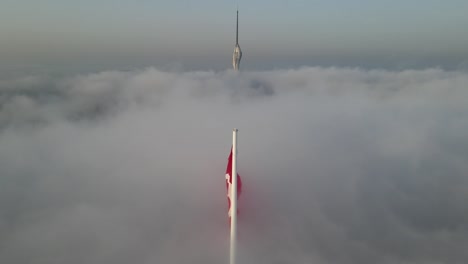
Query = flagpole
x=232 y=257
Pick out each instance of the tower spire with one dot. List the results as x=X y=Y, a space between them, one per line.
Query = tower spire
x=237 y=27
x=237 y=55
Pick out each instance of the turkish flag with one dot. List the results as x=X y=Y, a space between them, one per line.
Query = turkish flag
x=229 y=183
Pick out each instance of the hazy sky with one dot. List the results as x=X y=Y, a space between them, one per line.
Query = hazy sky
x=200 y=34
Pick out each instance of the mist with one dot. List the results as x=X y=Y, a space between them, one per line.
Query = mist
x=339 y=165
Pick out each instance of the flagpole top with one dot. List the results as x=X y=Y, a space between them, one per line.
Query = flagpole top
x=235 y=129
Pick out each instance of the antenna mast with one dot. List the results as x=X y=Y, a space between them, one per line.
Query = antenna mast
x=237 y=28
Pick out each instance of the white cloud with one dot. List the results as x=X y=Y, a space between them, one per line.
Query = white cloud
x=339 y=166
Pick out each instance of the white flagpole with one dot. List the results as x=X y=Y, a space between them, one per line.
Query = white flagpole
x=232 y=257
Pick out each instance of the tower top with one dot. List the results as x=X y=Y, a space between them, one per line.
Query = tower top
x=237 y=55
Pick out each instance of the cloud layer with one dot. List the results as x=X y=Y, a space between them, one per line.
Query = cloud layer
x=339 y=166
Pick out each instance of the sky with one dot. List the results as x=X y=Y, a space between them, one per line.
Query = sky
x=107 y=34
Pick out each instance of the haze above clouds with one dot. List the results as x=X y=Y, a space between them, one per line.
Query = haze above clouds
x=92 y=36
x=339 y=165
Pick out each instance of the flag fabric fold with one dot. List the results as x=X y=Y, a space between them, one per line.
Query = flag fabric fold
x=229 y=183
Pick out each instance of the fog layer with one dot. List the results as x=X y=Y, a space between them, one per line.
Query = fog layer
x=339 y=165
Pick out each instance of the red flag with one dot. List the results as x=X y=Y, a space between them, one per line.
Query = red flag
x=229 y=183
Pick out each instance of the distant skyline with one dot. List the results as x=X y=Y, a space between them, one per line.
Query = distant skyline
x=120 y=34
